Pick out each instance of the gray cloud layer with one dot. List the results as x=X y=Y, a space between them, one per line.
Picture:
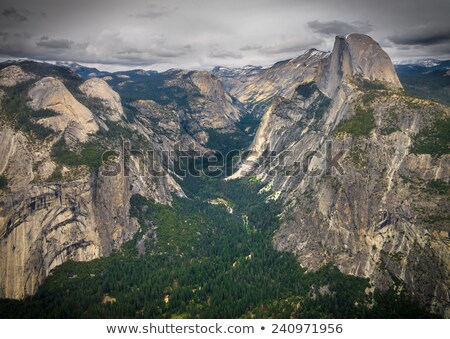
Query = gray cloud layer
x=54 y=43
x=336 y=27
x=117 y=34
x=14 y=14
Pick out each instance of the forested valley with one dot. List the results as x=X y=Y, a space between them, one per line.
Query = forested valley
x=207 y=256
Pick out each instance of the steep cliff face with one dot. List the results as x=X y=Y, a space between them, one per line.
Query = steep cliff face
x=355 y=55
x=211 y=88
x=45 y=224
x=377 y=211
x=52 y=211
x=372 y=211
x=43 y=227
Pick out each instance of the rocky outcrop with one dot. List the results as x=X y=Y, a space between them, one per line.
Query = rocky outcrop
x=212 y=89
x=207 y=105
x=110 y=99
x=355 y=55
x=74 y=118
x=47 y=224
x=12 y=75
x=18 y=162
x=6 y=147
x=41 y=228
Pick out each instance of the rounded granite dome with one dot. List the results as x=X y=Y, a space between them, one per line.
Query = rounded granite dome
x=356 y=55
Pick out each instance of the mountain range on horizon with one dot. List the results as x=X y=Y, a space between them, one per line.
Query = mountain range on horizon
x=89 y=71
x=432 y=71
x=366 y=237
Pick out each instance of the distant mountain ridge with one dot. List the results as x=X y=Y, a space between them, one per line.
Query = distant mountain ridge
x=427 y=78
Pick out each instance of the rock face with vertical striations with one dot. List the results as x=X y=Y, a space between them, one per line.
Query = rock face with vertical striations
x=44 y=224
x=355 y=55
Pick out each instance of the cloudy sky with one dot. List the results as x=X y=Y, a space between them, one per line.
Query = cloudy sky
x=200 y=34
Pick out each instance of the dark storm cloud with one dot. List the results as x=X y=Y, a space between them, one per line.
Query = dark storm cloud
x=422 y=37
x=14 y=14
x=336 y=27
x=45 y=42
x=161 y=34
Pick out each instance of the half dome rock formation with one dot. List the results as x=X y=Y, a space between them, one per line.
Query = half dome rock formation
x=50 y=93
x=99 y=89
x=13 y=75
x=355 y=55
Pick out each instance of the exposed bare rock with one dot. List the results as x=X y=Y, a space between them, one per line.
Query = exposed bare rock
x=99 y=89
x=43 y=225
x=211 y=87
x=377 y=219
x=6 y=147
x=198 y=98
x=262 y=84
x=47 y=224
x=208 y=107
x=355 y=55
x=46 y=169
x=41 y=228
x=12 y=75
x=50 y=93
x=157 y=122
x=18 y=161
x=369 y=221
